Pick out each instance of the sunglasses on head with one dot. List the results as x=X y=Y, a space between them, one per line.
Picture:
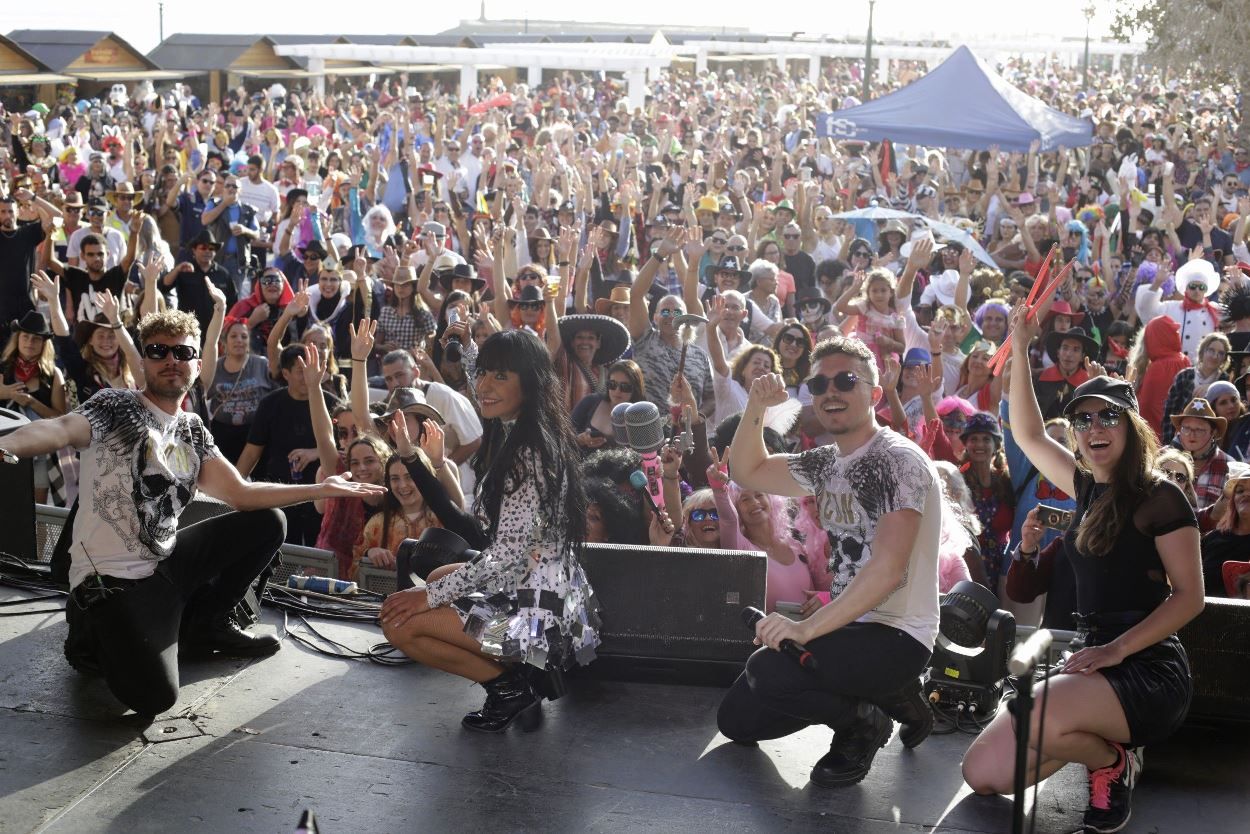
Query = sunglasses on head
x=623 y=387
x=157 y=352
x=699 y=516
x=843 y=381
x=1108 y=418
x=1177 y=477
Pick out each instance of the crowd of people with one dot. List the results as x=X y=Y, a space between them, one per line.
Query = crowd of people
x=448 y=302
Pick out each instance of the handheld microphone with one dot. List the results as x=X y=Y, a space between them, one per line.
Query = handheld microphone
x=644 y=428
x=639 y=481
x=1029 y=653
x=751 y=616
x=619 y=432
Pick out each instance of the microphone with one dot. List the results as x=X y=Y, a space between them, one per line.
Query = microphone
x=639 y=481
x=751 y=616
x=1029 y=653
x=619 y=432
x=644 y=428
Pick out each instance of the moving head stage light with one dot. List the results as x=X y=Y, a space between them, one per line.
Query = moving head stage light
x=974 y=642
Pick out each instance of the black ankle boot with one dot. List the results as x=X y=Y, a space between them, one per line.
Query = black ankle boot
x=912 y=710
x=850 y=756
x=508 y=697
x=547 y=683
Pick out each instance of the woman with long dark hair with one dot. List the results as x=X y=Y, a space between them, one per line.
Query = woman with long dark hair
x=1133 y=549
x=531 y=603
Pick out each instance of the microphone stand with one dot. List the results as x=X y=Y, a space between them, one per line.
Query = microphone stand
x=1024 y=704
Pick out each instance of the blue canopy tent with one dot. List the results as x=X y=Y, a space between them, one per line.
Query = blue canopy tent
x=962 y=103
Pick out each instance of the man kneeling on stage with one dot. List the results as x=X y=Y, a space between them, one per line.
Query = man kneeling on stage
x=878 y=497
x=142 y=591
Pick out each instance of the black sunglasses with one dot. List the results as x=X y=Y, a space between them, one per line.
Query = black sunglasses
x=623 y=387
x=843 y=381
x=183 y=353
x=1108 y=418
x=861 y=253
x=792 y=338
x=704 y=515
x=1177 y=477
x=530 y=305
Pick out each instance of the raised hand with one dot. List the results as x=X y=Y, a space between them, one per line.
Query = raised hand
x=214 y=292
x=769 y=390
x=312 y=366
x=108 y=306
x=399 y=434
x=46 y=286
x=362 y=339
x=717 y=471
x=432 y=443
x=890 y=373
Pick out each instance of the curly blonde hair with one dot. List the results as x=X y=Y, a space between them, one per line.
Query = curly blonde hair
x=175 y=323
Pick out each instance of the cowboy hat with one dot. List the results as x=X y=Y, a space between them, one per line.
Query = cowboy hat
x=204 y=238
x=894 y=225
x=409 y=401
x=727 y=264
x=1200 y=409
x=72 y=200
x=620 y=294
x=1198 y=271
x=528 y=295
x=613 y=337
x=708 y=203
x=1076 y=334
x=811 y=295
x=455 y=271
x=83 y=329
x=541 y=233
x=33 y=323
x=123 y=189
x=1063 y=308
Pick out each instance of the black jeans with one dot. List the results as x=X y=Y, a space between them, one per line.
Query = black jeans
x=775 y=697
x=132 y=629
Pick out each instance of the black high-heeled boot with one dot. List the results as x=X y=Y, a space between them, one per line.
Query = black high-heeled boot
x=509 y=697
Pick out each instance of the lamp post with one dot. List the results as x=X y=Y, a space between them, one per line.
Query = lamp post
x=868 y=54
x=1088 y=11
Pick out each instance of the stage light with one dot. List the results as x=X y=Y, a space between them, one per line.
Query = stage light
x=969 y=662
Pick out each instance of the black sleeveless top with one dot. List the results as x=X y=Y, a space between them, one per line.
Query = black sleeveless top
x=1131 y=577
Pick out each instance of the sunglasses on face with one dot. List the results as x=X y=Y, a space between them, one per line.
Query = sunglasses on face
x=669 y=313
x=861 y=254
x=208 y=181
x=736 y=248
x=183 y=353
x=529 y=276
x=793 y=338
x=843 y=381
x=1177 y=477
x=623 y=387
x=271 y=281
x=1108 y=418
x=699 y=516
x=533 y=306
x=719 y=241
x=1197 y=286
x=955 y=423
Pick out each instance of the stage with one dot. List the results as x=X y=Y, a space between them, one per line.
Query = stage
x=375 y=749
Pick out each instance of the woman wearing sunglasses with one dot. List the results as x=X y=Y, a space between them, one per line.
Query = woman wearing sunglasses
x=592 y=416
x=1134 y=552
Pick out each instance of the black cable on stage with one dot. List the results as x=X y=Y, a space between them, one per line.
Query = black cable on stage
x=1037 y=766
x=383 y=653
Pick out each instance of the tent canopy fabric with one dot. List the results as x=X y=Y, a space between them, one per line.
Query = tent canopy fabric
x=962 y=103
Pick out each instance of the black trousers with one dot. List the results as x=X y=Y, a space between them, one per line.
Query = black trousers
x=775 y=697
x=132 y=628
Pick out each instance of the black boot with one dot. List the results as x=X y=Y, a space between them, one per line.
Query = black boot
x=910 y=708
x=850 y=756
x=547 y=683
x=80 y=643
x=223 y=636
x=508 y=697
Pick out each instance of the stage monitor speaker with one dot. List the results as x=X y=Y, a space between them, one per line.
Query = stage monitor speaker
x=17 y=496
x=1218 y=644
x=674 y=614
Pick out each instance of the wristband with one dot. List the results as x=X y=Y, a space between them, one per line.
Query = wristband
x=1020 y=551
x=354 y=359
x=562 y=263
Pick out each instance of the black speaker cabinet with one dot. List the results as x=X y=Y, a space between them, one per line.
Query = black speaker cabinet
x=674 y=615
x=17 y=496
x=1218 y=644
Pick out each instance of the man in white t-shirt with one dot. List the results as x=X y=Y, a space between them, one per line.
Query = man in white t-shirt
x=144 y=591
x=879 y=502
x=258 y=192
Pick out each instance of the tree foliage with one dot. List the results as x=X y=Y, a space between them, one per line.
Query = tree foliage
x=1210 y=36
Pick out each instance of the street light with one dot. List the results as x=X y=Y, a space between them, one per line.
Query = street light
x=868 y=54
x=1089 y=11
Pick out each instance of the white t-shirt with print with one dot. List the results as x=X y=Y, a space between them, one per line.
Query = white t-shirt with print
x=853 y=492
x=142 y=466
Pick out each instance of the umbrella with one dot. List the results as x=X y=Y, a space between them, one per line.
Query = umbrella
x=959 y=235
x=877 y=213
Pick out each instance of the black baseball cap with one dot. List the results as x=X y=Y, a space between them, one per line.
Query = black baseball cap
x=1112 y=391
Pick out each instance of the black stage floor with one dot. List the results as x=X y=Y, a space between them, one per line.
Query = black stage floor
x=374 y=749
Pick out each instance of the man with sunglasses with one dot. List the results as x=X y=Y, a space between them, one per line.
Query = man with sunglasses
x=113 y=240
x=878 y=499
x=143 y=591
x=1197 y=316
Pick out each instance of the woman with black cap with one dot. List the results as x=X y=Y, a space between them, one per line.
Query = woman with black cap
x=31 y=384
x=1133 y=548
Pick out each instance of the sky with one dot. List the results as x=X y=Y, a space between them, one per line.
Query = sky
x=139 y=23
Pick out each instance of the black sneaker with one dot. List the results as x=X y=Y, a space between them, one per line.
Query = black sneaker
x=912 y=711
x=1110 y=793
x=850 y=756
x=224 y=637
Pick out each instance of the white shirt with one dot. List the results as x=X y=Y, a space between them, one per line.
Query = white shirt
x=1195 y=324
x=114 y=245
x=261 y=196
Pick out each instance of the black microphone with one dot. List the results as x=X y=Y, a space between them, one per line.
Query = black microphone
x=798 y=651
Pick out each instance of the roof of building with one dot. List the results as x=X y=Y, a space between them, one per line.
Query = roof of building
x=59 y=48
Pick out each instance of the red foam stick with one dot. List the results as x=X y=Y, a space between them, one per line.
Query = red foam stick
x=1032 y=304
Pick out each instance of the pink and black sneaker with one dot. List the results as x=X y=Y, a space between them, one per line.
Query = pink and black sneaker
x=1111 y=792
